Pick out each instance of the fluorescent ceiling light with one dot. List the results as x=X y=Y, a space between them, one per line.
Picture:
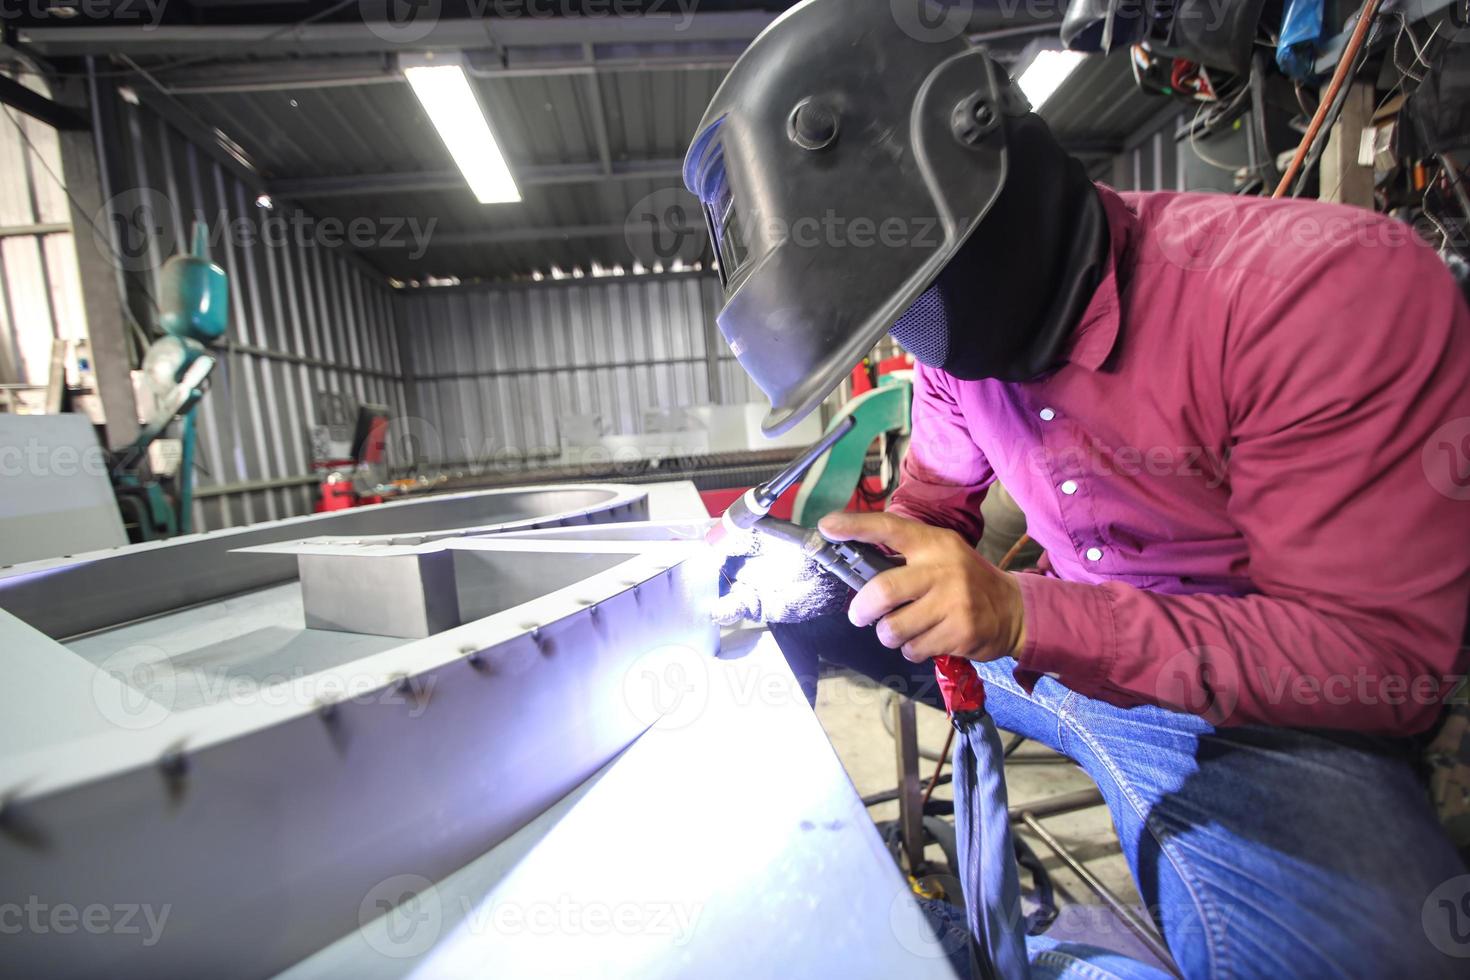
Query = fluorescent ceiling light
x=445 y=93
x=1046 y=73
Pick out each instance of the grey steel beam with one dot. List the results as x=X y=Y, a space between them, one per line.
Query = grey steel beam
x=347 y=72
x=83 y=167
x=599 y=114
x=347 y=38
x=511 y=236
x=310 y=188
x=34 y=104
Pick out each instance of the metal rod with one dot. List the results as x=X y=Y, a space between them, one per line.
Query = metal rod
x=1145 y=931
x=910 y=805
x=1061 y=803
x=783 y=481
x=47 y=228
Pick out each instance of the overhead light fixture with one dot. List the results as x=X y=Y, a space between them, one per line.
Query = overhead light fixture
x=444 y=90
x=1046 y=73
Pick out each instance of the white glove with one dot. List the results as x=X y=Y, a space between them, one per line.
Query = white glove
x=766 y=580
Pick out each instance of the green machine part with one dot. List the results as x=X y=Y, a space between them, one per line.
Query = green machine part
x=830 y=483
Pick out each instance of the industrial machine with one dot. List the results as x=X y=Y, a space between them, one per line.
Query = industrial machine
x=155 y=492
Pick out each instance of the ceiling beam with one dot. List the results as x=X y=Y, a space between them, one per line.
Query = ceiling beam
x=514 y=236
x=310 y=188
x=346 y=72
x=355 y=38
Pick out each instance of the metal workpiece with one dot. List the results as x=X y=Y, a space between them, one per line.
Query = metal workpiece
x=79 y=594
x=362 y=586
x=261 y=823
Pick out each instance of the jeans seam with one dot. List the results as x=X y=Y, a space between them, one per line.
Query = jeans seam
x=1217 y=955
x=1070 y=965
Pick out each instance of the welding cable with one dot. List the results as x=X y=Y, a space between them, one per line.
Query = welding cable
x=1345 y=62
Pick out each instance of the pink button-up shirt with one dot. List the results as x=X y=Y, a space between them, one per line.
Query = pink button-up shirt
x=1251 y=476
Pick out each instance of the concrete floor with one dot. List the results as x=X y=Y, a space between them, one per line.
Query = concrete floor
x=850 y=708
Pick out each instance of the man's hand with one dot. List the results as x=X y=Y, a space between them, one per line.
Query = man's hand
x=766 y=580
x=946 y=599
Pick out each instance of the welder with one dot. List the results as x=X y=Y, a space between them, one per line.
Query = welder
x=1238 y=428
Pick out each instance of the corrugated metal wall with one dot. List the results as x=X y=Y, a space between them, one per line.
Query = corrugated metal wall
x=305 y=317
x=39 y=292
x=1150 y=161
x=494 y=370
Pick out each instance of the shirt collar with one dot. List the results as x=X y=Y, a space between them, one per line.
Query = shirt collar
x=1096 y=334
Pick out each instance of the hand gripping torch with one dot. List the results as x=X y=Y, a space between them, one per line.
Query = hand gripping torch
x=855 y=563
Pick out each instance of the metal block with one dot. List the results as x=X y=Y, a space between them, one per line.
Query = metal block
x=409 y=593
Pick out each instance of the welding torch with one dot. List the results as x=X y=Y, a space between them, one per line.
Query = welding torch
x=854 y=563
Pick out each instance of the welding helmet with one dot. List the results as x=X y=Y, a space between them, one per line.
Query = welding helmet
x=840 y=165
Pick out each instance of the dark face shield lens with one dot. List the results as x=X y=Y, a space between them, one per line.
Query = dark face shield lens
x=722 y=222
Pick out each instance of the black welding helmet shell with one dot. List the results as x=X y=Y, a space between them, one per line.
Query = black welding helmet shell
x=840 y=165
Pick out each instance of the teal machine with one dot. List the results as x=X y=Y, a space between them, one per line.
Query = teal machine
x=193 y=313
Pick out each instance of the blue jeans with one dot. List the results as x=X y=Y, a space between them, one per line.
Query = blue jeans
x=1260 y=852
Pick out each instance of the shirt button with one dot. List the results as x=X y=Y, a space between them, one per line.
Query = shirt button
x=1047 y=414
x=1069 y=487
x=1094 y=554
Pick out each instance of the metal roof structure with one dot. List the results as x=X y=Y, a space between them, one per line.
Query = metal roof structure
x=594 y=114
